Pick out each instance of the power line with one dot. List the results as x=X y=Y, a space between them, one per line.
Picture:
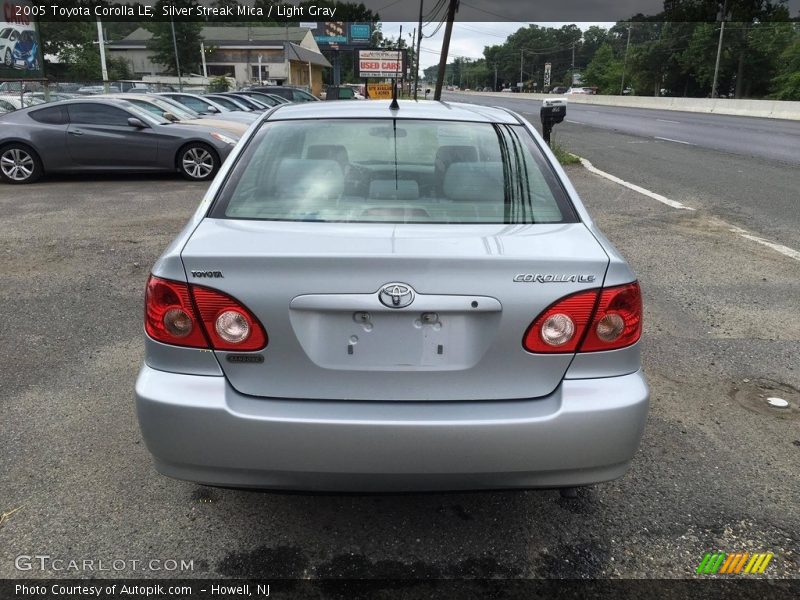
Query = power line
x=488 y=12
x=388 y=5
x=483 y=31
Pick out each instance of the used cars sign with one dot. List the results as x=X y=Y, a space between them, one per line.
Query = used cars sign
x=381 y=63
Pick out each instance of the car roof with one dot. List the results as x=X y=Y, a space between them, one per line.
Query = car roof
x=409 y=109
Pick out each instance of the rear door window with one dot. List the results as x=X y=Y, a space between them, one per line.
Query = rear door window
x=53 y=115
x=97 y=114
x=394 y=171
x=195 y=104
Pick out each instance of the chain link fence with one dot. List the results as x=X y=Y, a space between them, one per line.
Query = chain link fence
x=15 y=94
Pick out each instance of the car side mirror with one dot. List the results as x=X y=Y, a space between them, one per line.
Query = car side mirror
x=212 y=109
x=138 y=123
x=170 y=117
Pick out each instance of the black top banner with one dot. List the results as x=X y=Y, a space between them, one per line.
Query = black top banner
x=295 y=12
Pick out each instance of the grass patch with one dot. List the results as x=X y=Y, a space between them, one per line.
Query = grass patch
x=564 y=157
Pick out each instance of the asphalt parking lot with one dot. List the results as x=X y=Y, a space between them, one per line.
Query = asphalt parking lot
x=717 y=469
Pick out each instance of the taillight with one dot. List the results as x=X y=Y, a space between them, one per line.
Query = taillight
x=588 y=321
x=229 y=325
x=617 y=321
x=171 y=318
x=561 y=326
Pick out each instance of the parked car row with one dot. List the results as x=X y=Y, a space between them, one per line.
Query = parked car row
x=106 y=134
x=131 y=131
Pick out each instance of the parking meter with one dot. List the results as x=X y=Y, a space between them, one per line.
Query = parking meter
x=553 y=111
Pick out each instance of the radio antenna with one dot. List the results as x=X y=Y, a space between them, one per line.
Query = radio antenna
x=394 y=105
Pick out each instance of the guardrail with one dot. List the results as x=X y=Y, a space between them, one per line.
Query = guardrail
x=772 y=109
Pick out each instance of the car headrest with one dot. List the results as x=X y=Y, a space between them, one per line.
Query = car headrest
x=309 y=178
x=447 y=155
x=335 y=152
x=474 y=182
x=393 y=189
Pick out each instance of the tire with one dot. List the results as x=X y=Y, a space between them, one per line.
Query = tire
x=8 y=60
x=19 y=164
x=197 y=162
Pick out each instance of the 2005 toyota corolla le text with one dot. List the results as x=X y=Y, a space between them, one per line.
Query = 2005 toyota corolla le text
x=368 y=330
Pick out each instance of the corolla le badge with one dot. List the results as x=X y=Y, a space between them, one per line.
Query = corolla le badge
x=396 y=295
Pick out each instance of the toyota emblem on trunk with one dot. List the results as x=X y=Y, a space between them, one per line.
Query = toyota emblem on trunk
x=396 y=295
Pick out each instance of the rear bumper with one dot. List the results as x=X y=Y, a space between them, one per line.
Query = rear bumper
x=200 y=429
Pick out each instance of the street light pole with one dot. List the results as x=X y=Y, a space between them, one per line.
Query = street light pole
x=721 y=17
x=177 y=59
x=102 y=43
x=521 y=54
x=625 y=62
x=416 y=54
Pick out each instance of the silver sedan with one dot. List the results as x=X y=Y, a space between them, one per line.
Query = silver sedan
x=373 y=299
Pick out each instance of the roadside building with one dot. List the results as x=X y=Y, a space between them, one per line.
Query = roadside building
x=285 y=55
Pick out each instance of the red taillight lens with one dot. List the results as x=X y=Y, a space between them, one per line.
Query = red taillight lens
x=168 y=314
x=617 y=322
x=171 y=318
x=550 y=332
x=230 y=326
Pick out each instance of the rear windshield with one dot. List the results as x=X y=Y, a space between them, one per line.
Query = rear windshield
x=393 y=171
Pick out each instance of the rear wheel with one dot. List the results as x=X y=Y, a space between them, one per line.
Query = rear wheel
x=19 y=164
x=198 y=162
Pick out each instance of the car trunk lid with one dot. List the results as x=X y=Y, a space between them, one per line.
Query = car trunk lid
x=316 y=288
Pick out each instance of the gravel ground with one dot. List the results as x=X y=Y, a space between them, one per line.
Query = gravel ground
x=717 y=469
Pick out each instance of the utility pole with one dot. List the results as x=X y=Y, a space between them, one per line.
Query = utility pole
x=625 y=61
x=102 y=43
x=572 y=74
x=419 y=45
x=451 y=15
x=205 y=68
x=495 y=77
x=177 y=59
x=400 y=60
x=721 y=17
x=521 y=54
x=414 y=59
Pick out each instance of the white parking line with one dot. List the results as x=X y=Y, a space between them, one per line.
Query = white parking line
x=676 y=141
x=668 y=121
x=576 y=122
x=785 y=250
x=663 y=199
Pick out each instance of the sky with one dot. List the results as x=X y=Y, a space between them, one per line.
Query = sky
x=468 y=39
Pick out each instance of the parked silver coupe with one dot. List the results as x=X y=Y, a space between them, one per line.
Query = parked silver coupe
x=93 y=134
x=373 y=299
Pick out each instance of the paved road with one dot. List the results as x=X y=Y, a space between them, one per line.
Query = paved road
x=770 y=139
x=717 y=468
x=741 y=169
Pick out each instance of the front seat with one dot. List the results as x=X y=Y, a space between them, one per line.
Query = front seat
x=446 y=156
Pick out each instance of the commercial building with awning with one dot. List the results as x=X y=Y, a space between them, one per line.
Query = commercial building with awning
x=284 y=55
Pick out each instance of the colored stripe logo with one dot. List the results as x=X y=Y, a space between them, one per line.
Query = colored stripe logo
x=734 y=564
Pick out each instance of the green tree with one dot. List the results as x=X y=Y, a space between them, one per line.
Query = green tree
x=187 y=35
x=83 y=64
x=605 y=71
x=787 y=82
